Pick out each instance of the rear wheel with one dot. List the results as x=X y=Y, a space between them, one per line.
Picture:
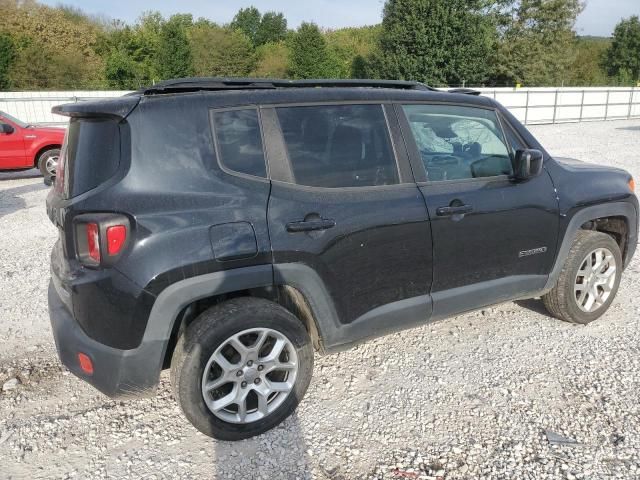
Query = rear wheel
x=48 y=162
x=589 y=280
x=241 y=368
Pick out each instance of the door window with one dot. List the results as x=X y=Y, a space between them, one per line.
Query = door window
x=334 y=146
x=239 y=141
x=458 y=142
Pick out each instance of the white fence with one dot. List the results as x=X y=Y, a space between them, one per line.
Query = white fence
x=529 y=105
x=555 y=105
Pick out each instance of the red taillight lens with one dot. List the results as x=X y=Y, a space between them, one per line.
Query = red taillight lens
x=116 y=237
x=85 y=363
x=93 y=241
x=101 y=238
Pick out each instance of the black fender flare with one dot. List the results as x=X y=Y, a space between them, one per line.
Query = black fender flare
x=579 y=218
x=173 y=299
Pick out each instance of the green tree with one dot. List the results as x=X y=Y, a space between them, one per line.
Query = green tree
x=350 y=47
x=247 y=20
x=440 y=42
x=219 y=51
x=586 y=69
x=7 y=57
x=272 y=60
x=44 y=36
x=121 y=71
x=623 y=57
x=537 y=43
x=39 y=67
x=174 y=57
x=309 y=55
x=272 y=28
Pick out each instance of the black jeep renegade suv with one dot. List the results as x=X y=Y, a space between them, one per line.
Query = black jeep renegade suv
x=227 y=228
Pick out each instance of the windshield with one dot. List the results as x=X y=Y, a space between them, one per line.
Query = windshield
x=20 y=123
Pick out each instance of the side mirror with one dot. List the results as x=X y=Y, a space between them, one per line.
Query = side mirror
x=6 y=128
x=527 y=164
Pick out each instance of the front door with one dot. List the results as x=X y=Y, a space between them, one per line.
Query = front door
x=493 y=239
x=12 y=154
x=346 y=220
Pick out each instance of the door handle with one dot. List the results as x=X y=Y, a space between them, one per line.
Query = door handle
x=310 y=225
x=457 y=210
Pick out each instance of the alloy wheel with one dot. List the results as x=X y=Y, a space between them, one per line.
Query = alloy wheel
x=595 y=280
x=249 y=375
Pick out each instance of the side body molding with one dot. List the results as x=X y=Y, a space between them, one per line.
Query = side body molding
x=337 y=336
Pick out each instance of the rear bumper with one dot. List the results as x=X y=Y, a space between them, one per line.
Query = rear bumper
x=116 y=373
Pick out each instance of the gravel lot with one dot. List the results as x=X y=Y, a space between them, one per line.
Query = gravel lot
x=472 y=397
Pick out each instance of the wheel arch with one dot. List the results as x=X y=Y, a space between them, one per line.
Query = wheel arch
x=180 y=303
x=52 y=146
x=618 y=219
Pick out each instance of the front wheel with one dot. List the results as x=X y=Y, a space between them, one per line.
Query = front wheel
x=241 y=368
x=48 y=162
x=589 y=280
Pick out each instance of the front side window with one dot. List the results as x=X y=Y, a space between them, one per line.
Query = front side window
x=334 y=146
x=458 y=143
x=239 y=141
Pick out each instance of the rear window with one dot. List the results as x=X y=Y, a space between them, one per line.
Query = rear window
x=90 y=155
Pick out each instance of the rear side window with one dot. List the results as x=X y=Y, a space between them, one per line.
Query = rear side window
x=239 y=141
x=90 y=155
x=334 y=146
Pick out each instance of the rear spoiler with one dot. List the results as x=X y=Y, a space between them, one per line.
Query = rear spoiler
x=117 y=108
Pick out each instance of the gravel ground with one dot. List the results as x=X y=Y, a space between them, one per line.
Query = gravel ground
x=477 y=396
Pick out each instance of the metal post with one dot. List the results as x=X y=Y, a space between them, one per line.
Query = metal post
x=526 y=109
x=555 y=106
x=630 y=102
x=581 y=106
x=606 y=106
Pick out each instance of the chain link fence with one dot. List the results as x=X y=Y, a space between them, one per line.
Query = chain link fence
x=529 y=105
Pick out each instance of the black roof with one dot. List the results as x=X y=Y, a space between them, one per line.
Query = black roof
x=235 y=92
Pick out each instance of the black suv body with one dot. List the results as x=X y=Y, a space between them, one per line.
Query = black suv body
x=356 y=208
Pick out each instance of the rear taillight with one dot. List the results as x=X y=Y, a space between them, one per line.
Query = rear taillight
x=93 y=241
x=101 y=238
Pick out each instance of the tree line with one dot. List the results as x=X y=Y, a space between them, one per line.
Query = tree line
x=439 y=42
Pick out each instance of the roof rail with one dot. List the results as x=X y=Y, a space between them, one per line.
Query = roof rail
x=465 y=91
x=222 y=83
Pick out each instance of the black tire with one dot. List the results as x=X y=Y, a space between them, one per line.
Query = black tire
x=42 y=162
x=206 y=334
x=561 y=300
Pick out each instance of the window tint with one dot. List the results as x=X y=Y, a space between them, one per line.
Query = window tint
x=458 y=142
x=334 y=146
x=90 y=154
x=239 y=141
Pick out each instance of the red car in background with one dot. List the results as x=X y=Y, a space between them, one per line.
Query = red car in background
x=24 y=146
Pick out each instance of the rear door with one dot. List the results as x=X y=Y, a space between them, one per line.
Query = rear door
x=346 y=219
x=494 y=239
x=12 y=151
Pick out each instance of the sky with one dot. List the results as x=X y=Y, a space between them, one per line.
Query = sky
x=598 y=18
